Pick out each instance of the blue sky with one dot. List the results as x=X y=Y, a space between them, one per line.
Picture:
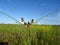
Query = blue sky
x=29 y=9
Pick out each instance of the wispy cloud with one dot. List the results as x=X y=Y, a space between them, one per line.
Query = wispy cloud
x=42 y=4
x=8 y=0
x=53 y=20
x=59 y=14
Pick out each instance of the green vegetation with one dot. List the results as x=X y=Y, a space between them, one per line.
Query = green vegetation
x=37 y=34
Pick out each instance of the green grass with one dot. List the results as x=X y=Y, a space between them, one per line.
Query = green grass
x=36 y=35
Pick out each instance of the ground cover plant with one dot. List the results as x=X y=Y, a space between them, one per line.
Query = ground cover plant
x=16 y=34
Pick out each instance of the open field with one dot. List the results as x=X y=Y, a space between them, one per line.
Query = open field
x=36 y=35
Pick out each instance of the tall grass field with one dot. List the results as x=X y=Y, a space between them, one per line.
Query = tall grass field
x=16 y=34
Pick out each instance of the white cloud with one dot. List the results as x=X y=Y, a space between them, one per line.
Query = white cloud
x=59 y=14
x=42 y=4
x=53 y=20
x=8 y=0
